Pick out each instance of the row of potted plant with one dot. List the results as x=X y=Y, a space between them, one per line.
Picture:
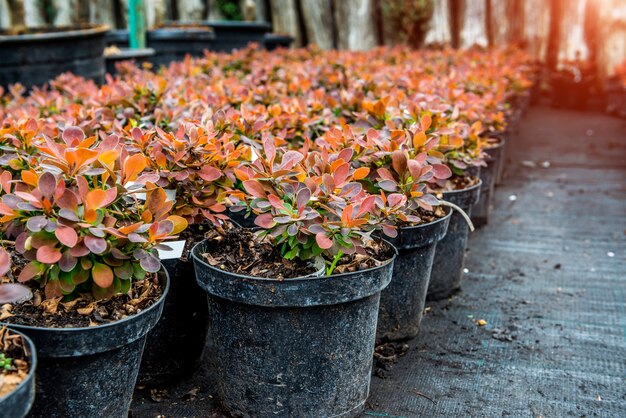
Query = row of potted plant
x=32 y=56
x=345 y=162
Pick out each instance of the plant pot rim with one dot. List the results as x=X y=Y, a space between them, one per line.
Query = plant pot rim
x=33 y=364
x=492 y=145
x=227 y=24
x=130 y=53
x=129 y=318
x=464 y=190
x=92 y=30
x=428 y=224
x=198 y=258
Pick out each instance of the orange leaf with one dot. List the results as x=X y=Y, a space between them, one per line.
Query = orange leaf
x=179 y=222
x=133 y=166
x=30 y=177
x=95 y=199
x=361 y=173
x=102 y=275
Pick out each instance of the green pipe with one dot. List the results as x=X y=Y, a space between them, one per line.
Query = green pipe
x=136 y=24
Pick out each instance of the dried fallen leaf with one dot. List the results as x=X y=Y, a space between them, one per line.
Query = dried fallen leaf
x=481 y=322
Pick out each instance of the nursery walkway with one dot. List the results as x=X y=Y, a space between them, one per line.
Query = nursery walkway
x=548 y=275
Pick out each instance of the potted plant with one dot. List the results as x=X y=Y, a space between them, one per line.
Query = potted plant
x=196 y=168
x=402 y=163
x=463 y=156
x=85 y=242
x=493 y=146
x=34 y=56
x=18 y=361
x=298 y=339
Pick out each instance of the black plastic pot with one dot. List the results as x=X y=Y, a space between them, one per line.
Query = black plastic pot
x=445 y=278
x=232 y=35
x=34 y=59
x=402 y=302
x=174 y=346
x=17 y=403
x=138 y=56
x=170 y=43
x=488 y=175
x=90 y=372
x=296 y=347
x=273 y=41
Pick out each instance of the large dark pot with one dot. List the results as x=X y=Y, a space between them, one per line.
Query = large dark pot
x=445 y=278
x=137 y=56
x=174 y=346
x=171 y=43
x=273 y=41
x=34 y=59
x=91 y=372
x=402 y=302
x=298 y=347
x=232 y=35
x=488 y=175
x=17 y=403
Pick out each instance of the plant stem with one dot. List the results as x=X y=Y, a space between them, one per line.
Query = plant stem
x=461 y=211
x=331 y=268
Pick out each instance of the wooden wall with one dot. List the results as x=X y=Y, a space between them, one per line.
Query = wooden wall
x=593 y=29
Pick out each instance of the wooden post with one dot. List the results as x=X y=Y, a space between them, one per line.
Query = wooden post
x=136 y=24
x=554 y=35
x=489 y=23
x=456 y=22
x=355 y=24
x=285 y=19
x=318 y=20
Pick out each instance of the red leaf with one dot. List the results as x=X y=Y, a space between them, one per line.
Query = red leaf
x=208 y=173
x=95 y=245
x=102 y=275
x=395 y=199
x=47 y=184
x=265 y=220
x=48 y=254
x=398 y=161
x=73 y=135
x=5 y=262
x=29 y=271
x=323 y=241
x=66 y=235
x=254 y=188
x=441 y=171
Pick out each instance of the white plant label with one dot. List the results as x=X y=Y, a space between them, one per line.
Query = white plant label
x=176 y=251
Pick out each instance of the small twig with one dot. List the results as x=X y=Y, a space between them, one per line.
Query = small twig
x=461 y=211
x=6 y=242
x=423 y=395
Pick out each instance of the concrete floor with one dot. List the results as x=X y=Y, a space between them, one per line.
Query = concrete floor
x=547 y=274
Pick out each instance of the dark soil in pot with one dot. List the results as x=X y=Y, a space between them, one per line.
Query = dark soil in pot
x=298 y=347
x=90 y=371
x=402 y=302
x=175 y=344
x=488 y=174
x=17 y=382
x=445 y=277
x=36 y=57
